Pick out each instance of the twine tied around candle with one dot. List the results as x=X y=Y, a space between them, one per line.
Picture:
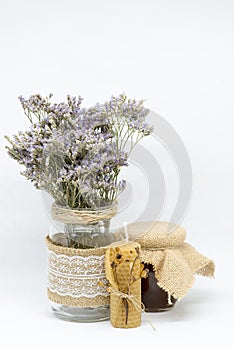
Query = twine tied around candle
x=138 y=306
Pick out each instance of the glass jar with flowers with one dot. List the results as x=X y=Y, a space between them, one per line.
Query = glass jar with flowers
x=75 y=155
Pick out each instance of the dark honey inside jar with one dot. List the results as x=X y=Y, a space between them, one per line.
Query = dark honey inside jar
x=153 y=297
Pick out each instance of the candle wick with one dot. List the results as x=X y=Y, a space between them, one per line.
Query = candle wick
x=126 y=231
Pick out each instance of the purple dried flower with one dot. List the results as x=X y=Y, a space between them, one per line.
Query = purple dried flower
x=74 y=153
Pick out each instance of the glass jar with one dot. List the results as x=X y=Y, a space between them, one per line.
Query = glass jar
x=76 y=270
x=154 y=298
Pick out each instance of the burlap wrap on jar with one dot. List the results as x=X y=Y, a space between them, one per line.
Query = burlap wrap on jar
x=175 y=262
x=76 y=277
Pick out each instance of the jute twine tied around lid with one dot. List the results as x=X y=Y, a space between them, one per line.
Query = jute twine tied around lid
x=174 y=261
x=82 y=216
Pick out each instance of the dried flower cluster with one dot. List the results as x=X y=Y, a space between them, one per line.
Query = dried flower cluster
x=75 y=153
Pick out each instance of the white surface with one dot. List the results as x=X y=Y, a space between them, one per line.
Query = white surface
x=178 y=55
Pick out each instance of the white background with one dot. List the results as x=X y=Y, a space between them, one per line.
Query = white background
x=178 y=55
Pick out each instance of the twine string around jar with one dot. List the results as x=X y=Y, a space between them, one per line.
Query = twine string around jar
x=82 y=216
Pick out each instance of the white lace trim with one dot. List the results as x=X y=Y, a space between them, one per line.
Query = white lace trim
x=76 y=276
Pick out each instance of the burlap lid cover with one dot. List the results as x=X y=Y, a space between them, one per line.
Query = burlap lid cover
x=174 y=261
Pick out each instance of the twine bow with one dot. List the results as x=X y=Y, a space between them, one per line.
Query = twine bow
x=139 y=306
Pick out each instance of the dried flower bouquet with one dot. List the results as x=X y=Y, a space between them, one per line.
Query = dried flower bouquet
x=75 y=153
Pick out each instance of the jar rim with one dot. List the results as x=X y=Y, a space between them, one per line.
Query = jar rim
x=114 y=203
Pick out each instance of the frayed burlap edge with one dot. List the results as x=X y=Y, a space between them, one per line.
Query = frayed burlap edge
x=175 y=268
